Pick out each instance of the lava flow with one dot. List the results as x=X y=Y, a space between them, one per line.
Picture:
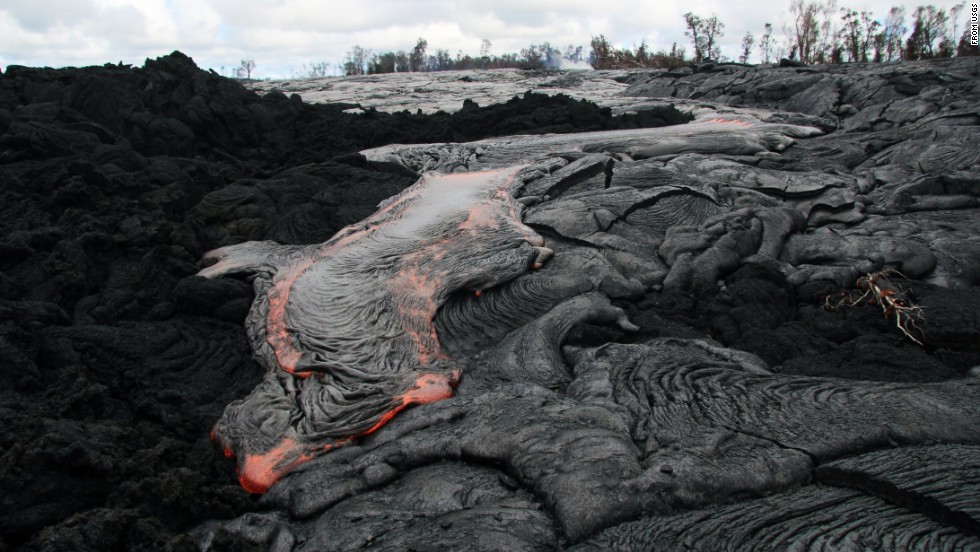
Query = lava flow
x=356 y=313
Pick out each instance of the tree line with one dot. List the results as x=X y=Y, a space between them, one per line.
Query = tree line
x=815 y=32
x=820 y=32
x=361 y=61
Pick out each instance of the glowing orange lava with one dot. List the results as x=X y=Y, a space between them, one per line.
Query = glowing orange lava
x=407 y=259
x=257 y=472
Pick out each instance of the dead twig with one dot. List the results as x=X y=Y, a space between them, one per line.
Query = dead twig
x=879 y=290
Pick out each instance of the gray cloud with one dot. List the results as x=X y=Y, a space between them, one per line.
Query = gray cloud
x=44 y=15
x=283 y=34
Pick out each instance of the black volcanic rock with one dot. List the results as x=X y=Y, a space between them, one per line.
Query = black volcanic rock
x=670 y=378
x=115 y=361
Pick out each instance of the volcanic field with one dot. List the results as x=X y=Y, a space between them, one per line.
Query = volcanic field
x=720 y=307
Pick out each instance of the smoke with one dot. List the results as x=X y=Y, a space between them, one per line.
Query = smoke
x=570 y=65
x=572 y=58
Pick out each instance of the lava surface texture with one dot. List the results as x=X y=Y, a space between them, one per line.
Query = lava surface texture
x=346 y=328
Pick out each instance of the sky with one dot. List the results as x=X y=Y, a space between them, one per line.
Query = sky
x=283 y=36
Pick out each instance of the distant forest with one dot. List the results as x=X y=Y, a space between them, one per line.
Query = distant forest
x=815 y=32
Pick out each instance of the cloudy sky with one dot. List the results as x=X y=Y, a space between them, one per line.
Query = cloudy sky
x=283 y=35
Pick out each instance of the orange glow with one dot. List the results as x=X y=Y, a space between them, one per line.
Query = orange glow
x=428 y=388
x=257 y=472
x=419 y=237
x=417 y=307
x=482 y=216
x=277 y=333
x=723 y=121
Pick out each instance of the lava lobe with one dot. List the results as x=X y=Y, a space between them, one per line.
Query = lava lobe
x=345 y=328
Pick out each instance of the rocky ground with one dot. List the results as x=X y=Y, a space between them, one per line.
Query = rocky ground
x=447 y=90
x=732 y=410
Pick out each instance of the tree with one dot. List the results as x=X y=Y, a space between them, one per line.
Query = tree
x=954 y=15
x=948 y=45
x=704 y=35
x=851 y=33
x=694 y=26
x=870 y=25
x=402 y=62
x=316 y=70
x=879 y=43
x=605 y=56
x=382 y=63
x=244 y=70
x=552 y=56
x=929 y=26
x=441 y=61
x=600 y=56
x=675 y=58
x=642 y=54
x=827 y=46
x=417 y=58
x=747 y=41
x=534 y=56
x=356 y=60
x=712 y=32
x=766 y=44
x=858 y=33
x=804 y=29
x=893 y=33
x=485 y=47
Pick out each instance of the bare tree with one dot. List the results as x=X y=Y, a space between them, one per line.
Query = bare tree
x=417 y=58
x=382 y=63
x=929 y=26
x=601 y=55
x=892 y=33
x=851 y=33
x=533 y=56
x=827 y=46
x=804 y=29
x=485 y=47
x=712 y=32
x=402 y=62
x=694 y=26
x=954 y=15
x=356 y=60
x=858 y=33
x=870 y=26
x=316 y=70
x=704 y=35
x=766 y=44
x=747 y=41
x=642 y=53
x=244 y=70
